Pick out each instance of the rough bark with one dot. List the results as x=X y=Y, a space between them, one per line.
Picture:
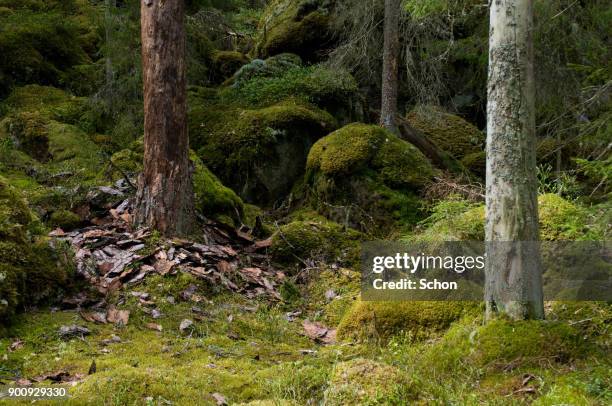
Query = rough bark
x=513 y=271
x=388 y=110
x=165 y=192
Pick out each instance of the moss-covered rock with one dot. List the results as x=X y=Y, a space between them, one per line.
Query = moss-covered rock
x=226 y=63
x=372 y=176
x=449 y=132
x=365 y=382
x=370 y=320
x=28 y=270
x=45 y=44
x=320 y=240
x=65 y=219
x=301 y=27
x=50 y=103
x=273 y=66
x=476 y=162
x=502 y=341
x=28 y=131
x=212 y=198
x=501 y=345
x=260 y=153
x=263 y=83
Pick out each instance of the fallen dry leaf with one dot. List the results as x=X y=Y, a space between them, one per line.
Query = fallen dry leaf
x=318 y=332
x=219 y=398
x=154 y=326
x=15 y=345
x=120 y=317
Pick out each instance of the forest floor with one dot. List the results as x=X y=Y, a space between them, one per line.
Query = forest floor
x=171 y=337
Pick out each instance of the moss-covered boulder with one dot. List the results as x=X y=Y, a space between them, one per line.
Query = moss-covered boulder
x=502 y=341
x=213 y=199
x=449 y=132
x=28 y=131
x=28 y=269
x=476 y=162
x=226 y=63
x=45 y=43
x=320 y=240
x=365 y=382
x=301 y=27
x=65 y=219
x=501 y=345
x=260 y=153
x=367 y=175
x=46 y=152
x=263 y=83
x=374 y=320
x=273 y=66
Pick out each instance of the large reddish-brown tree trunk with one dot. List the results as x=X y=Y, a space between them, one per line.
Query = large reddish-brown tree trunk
x=165 y=191
x=388 y=109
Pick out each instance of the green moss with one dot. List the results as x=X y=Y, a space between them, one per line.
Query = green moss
x=29 y=133
x=562 y=220
x=260 y=153
x=212 y=198
x=226 y=63
x=42 y=45
x=300 y=241
x=28 y=270
x=456 y=219
x=453 y=219
x=355 y=147
x=64 y=219
x=273 y=66
x=369 y=320
x=476 y=163
x=449 y=132
x=366 y=382
x=128 y=160
x=298 y=26
x=346 y=150
x=500 y=342
x=345 y=284
x=262 y=83
x=365 y=166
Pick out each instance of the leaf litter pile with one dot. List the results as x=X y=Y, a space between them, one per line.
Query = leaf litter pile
x=111 y=254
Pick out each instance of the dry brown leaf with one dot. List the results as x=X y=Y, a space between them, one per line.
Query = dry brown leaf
x=154 y=326
x=318 y=332
x=114 y=315
x=94 y=317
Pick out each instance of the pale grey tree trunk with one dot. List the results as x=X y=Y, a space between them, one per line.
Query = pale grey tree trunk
x=388 y=110
x=513 y=271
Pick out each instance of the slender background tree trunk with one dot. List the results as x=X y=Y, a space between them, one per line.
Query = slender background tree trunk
x=388 y=110
x=165 y=192
x=513 y=272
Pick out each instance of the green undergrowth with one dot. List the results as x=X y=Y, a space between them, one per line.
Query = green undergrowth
x=455 y=219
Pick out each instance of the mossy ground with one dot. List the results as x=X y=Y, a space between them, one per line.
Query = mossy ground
x=258 y=356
